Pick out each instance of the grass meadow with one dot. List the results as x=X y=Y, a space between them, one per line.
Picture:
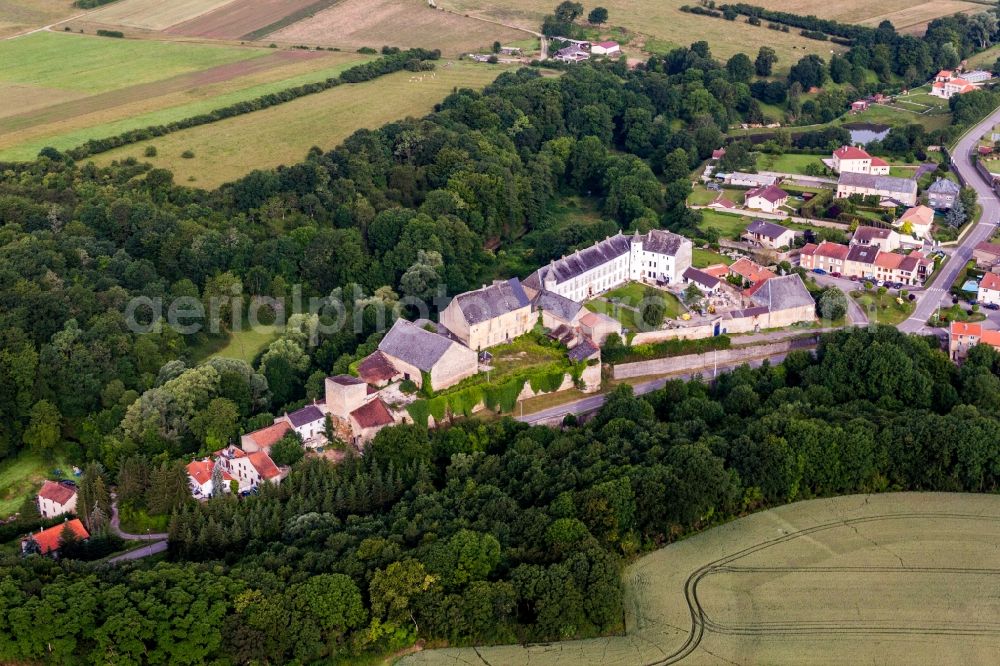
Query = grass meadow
x=231 y=148
x=22 y=476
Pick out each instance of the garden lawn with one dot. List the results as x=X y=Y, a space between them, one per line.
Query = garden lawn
x=22 y=476
x=137 y=521
x=700 y=258
x=883 y=309
x=727 y=225
x=245 y=344
x=789 y=163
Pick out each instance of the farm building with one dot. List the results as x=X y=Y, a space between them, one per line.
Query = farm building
x=416 y=352
x=605 y=48
x=740 y=179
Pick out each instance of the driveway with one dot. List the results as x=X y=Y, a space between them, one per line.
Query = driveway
x=937 y=290
x=157 y=541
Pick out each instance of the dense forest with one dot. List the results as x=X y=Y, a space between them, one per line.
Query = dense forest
x=498 y=531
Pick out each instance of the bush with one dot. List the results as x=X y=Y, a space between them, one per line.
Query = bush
x=408 y=386
x=111 y=33
x=188 y=154
x=150 y=151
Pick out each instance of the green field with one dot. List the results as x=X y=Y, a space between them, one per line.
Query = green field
x=728 y=225
x=283 y=134
x=70 y=133
x=883 y=309
x=897 y=578
x=245 y=344
x=629 y=296
x=702 y=196
x=22 y=476
x=69 y=61
x=788 y=163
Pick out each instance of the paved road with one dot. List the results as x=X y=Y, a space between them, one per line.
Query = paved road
x=150 y=549
x=594 y=402
x=938 y=288
x=157 y=542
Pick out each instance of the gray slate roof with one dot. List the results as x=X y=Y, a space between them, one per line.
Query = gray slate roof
x=557 y=305
x=659 y=241
x=492 y=301
x=883 y=183
x=583 y=350
x=944 y=186
x=307 y=414
x=692 y=274
x=412 y=344
x=346 y=380
x=782 y=293
x=580 y=262
x=766 y=229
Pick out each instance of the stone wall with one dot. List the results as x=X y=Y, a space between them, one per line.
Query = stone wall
x=693 y=362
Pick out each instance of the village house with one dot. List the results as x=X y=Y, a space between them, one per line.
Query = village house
x=886 y=240
x=708 y=284
x=605 y=48
x=989 y=289
x=656 y=257
x=557 y=310
x=265 y=438
x=769 y=198
x=942 y=194
x=597 y=326
x=56 y=498
x=718 y=153
x=416 y=353
x=963 y=336
x=951 y=87
x=769 y=235
x=861 y=261
x=751 y=273
x=309 y=423
x=249 y=470
x=851 y=159
x=741 y=179
x=891 y=191
x=356 y=413
x=377 y=370
x=46 y=542
x=826 y=256
x=859 y=106
x=489 y=316
x=200 y=478
x=987 y=255
x=572 y=53
x=920 y=219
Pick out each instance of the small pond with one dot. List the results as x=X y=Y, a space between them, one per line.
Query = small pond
x=865 y=133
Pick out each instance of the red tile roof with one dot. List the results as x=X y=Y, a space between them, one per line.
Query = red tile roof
x=832 y=250
x=201 y=471
x=717 y=270
x=373 y=414
x=718 y=153
x=991 y=248
x=851 y=153
x=990 y=337
x=264 y=465
x=990 y=281
x=376 y=368
x=751 y=271
x=919 y=215
x=963 y=328
x=48 y=540
x=888 y=260
x=60 y=493
x=267 y=437
x=878 y=161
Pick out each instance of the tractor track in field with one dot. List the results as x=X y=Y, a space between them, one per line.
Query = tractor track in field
x=700 y=622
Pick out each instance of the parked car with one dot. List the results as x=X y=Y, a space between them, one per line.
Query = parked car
x=836 y=275
x=991 y=306
x=819 y=271
x=854 y=278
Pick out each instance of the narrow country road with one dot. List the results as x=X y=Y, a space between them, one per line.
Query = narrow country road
x=938 y=288
x=157 y=541
x=594 y=402
x=151 y=548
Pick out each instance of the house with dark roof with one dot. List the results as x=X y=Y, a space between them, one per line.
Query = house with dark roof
x=557 y=310
x=942 y=194
x=309 y=422
x=769 y=235
x=787 y=300
x=655 y=257
x=417 y=353
x=769 y=198
x=489 y=316
x=368 y=419
x=47 y=542
x=56 y=498
x=708 y=284
x=987 y=255
x=861 y=261
x=903 y=190
x=376 y=370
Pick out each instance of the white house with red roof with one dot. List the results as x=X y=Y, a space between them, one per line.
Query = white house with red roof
x=249 y=470
x=851 y=159
x=769 y=198
x=989 y=289
x=963 y=336
x=920 y=219
x=200 y=478
x=605 y=48
x=827 y=256
x=947 y=83
x=56 y=498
